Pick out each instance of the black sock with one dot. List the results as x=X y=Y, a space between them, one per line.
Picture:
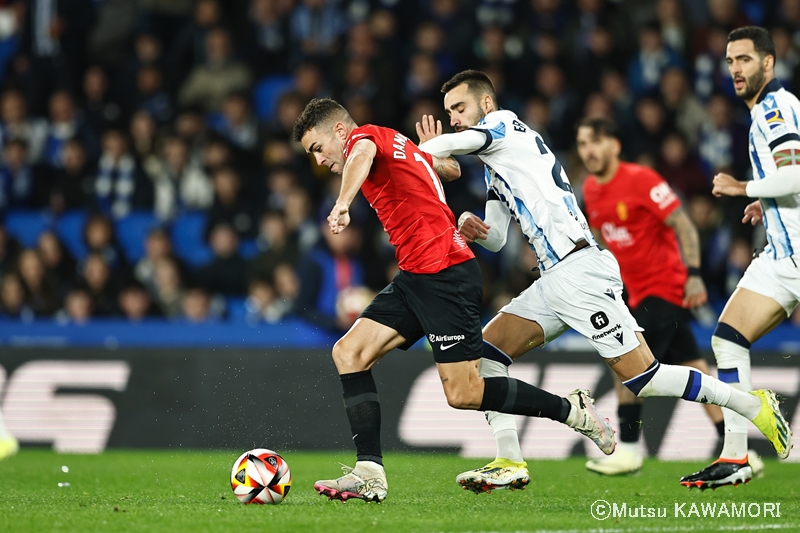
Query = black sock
x=364 y=412
x=508 y=395
x=630 y=422
x=720 y=428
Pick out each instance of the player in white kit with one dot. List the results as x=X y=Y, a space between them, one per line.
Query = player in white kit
x=580 y=285
x=770 y=288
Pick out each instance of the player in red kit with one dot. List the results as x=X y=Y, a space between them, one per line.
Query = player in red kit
x=436 y=292
x=638 y=216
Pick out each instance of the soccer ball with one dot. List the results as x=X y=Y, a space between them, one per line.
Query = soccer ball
x=261 y=476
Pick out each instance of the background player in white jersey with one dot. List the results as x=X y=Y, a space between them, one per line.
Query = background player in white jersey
x=580 y=285
x=770 y=288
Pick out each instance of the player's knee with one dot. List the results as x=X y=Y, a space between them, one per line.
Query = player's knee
x=345 y=352
x=461 y=398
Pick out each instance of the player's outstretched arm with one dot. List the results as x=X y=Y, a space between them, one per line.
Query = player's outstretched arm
x=354 y=173
x=461 y=143
x=782 y=182
x=490 y=233
x=447 y=168
x=694 y=293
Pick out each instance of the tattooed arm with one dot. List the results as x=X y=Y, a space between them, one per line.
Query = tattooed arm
x=447 y=168
x=695 y=290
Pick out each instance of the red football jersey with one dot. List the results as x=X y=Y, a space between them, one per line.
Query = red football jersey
x=630 y=211
x=407 y=196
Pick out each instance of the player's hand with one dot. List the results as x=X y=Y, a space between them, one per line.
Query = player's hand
x=725 y=184
x=339 y=217
x=753 y=213
x=694 y=292
x=471 y=227
x=428 y=128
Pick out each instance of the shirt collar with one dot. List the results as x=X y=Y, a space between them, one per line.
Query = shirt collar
x=771 y=87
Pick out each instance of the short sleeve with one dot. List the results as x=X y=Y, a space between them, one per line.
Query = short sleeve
x=656 y=195
x=776 y=122
x=494 y=131
x=368 y=132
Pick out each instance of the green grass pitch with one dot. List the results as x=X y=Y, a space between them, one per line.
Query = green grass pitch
x=188 y=491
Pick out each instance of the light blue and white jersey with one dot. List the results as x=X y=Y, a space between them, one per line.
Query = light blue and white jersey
x=776 y=120
x=525 y=175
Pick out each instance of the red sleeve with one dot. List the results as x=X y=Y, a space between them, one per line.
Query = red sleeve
x=655 y=194
x=369 y=132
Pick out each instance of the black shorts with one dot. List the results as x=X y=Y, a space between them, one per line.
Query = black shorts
x=444 y=306
x=667 y=330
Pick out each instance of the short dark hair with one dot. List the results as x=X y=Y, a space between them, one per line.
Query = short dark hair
x=318 y=111
x=477 y=82
x=762 y=40
x=600 y=126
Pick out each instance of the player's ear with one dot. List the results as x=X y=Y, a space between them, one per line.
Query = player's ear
x=340 y=130
x=487 y=103
x=769 y=62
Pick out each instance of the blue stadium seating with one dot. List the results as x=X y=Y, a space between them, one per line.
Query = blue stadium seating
x=69 y=229
x=132 y=232
x=188 y=238
x=267 y=92
x=26 y=225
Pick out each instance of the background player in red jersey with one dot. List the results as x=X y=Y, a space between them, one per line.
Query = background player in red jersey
x=436 y=292
x=633 y=210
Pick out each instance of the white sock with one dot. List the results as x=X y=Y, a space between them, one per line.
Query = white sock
x=733 y=364
x=503 y=425
x=683 y=382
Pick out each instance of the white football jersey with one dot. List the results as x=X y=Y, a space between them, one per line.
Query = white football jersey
x=775 y=121
x=525 y=175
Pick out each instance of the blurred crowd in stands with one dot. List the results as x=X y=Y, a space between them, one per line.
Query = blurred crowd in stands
x=147 y=168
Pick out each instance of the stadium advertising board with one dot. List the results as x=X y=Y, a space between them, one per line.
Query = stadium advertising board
x=84 y=400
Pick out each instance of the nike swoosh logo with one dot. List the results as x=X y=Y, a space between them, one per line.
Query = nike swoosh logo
x=443 y=347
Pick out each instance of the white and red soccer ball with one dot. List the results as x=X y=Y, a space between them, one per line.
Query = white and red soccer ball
x=261 y=476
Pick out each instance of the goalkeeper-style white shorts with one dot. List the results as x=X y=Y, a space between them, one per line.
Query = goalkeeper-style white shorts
x=583 y=292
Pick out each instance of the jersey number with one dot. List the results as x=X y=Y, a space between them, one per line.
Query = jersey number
x=434 y=177
x=556 y=167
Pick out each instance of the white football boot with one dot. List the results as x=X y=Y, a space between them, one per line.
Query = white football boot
x=500 y=474
x=367 y=481
x=590 y=423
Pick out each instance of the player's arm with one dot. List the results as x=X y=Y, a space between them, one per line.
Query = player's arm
x=784 y=143
x=461 y=143
x=490 y=233
x=354 y=174
x=447 y=168
x=695 y=293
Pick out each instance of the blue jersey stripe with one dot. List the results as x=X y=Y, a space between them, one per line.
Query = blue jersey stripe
x=772 y=207
x=521 y=210
x=551 y=254
x=787 y=244
x=761 y=174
